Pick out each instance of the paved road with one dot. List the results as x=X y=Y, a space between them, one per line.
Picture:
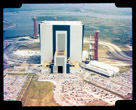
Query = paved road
x=116 y=51
x=15 y=44
x=57 y=92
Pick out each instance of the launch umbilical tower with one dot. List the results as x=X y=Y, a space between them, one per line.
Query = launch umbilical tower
x=96 y=45
x=93 y=46
x=35 y=28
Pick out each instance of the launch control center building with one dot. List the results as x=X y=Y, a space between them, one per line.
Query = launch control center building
x=61 y=44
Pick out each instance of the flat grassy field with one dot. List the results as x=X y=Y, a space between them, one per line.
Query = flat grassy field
x=124 y=68
x=39 y=94
x=25 y=86
x=17 y=73
x=86 y=46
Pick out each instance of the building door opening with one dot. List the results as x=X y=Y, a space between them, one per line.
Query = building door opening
x=60 y=69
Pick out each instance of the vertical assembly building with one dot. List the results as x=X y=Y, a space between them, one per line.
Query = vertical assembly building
x=61 y=44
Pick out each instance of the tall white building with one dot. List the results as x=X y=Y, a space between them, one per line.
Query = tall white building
x=61 y=44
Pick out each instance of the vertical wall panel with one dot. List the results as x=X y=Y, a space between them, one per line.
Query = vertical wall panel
x=61 y=28
x=46 y=42
x=76 y=43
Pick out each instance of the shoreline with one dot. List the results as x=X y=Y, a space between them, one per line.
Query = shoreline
x=12 y=37
x=11 y=26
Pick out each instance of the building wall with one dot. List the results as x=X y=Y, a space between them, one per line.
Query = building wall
x=60 y=61
x=65 y=28
x=60 y=40
x=46 y=43
x=76 y=42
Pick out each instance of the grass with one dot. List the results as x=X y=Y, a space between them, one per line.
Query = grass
x=124 y=68
x=92 y=74
x=25 y=86
x=39 y=94
x=113 y=30
x=17 y=73
x=85 y=46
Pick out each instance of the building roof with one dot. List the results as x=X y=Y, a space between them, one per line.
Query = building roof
x=62 y=22
x=103 y=66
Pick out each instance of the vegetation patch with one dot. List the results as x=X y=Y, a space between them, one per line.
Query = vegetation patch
x=39 y=93
x=124 y=68
x=17 y=73
x=25 y=86
x=85 y=46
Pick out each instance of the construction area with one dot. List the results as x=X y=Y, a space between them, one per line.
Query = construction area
x=73 y=70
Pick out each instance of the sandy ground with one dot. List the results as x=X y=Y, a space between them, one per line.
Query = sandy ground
x=106 y=57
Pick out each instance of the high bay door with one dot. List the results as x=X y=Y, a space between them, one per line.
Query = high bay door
x=60 y=63
x=60 y=57
x=61 y=40
x=60 y=69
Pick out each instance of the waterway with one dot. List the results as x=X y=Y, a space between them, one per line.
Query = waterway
x=22 y=17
